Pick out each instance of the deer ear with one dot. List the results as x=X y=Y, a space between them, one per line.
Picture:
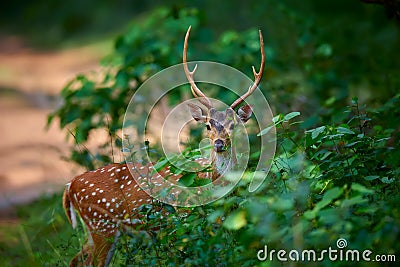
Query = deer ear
x=197 y=112
x=244 y=113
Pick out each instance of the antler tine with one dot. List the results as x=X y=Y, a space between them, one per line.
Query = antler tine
x=257 y=75
x=197 y=93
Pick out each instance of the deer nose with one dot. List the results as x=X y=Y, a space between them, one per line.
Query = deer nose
x=219 y=145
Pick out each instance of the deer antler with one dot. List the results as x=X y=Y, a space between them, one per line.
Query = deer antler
x=257 y=76
x=189 y=75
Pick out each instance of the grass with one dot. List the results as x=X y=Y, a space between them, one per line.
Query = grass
x=40 y=235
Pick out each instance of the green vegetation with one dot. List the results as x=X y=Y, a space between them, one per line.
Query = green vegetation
x=333 y=80
x=41 y=236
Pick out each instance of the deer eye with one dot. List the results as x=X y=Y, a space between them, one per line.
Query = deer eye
x=208 y=127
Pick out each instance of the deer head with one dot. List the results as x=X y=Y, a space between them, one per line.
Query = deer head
x=221 y=124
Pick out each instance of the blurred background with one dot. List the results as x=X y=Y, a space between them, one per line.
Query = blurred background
x=320 y=54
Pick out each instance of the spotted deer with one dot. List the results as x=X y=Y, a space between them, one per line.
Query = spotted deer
x=107 y=199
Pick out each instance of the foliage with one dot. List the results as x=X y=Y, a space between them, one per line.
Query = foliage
x=91 y=105
x=334 y=181
x=45 y=25
x=335 y=174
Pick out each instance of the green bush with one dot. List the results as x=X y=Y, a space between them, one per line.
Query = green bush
x=334 y=181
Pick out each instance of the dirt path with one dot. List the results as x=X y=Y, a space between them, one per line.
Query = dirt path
x=31 y=157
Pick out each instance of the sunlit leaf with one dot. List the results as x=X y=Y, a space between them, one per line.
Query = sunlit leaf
x=316 y=132
x=291 y=115
x=236 y=220
x=344 y=130
x=265 y=131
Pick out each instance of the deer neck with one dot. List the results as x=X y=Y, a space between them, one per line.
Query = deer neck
x=222 y=162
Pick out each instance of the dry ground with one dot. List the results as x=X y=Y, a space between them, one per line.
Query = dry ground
x=31 y=157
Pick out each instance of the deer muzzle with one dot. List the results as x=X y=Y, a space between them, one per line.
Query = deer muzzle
x=219 y=145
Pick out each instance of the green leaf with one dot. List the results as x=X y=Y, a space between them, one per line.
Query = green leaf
x=354 y=201
x=202 y=182
x=353 y=143
x=386 y=180
x=71 y=116
x=187 y=179
x=160 y=165
x=291 y=115
x=277 y=119
x=236 y=220
x=86 y=90
x=324 y=50
x=266 y=130
x=362 y=189
x=329 y=196
x=327 y=154
x=50 y=119
x=322 y=155
x=310 y=214
x=329 y=216
x=188 y=165
x=316 y=132
x=371 y=177
x=344 y=130
x=283 y=204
